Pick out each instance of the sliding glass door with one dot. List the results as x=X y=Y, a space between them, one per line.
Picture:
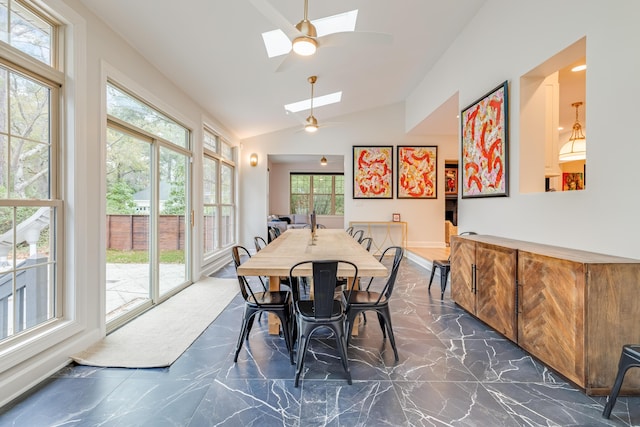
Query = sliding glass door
x=148 y=222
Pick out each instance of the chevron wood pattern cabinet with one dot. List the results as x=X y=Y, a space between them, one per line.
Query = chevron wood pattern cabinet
x=572 y=310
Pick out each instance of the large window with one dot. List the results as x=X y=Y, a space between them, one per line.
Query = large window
x=322 y=193
x=30 y=204
x=218 y=194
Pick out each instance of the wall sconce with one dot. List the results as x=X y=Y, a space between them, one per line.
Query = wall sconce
x=323 y=161
x=253 y=159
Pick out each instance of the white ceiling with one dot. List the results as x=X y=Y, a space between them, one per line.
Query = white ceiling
x=213 y=50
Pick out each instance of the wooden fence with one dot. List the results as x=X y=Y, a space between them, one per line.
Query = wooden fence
x=131 y=232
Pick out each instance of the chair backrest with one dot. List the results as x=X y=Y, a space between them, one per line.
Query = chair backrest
x=366 y=242
x=358 y=235
x=325 y=276
x=237 y=253
x=259 y=242
x=273 y=234
x=391 y=278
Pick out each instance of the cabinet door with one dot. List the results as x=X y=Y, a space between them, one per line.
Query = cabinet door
x=462 y=262
x=496 y=288
x=551 y=312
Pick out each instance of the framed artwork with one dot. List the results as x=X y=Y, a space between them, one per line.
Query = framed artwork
x=485 y=145
x=572 y=181
x=417 y=167
x=372 y=172
x=450 y=181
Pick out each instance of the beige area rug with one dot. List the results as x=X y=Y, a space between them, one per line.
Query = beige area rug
x=159 y=336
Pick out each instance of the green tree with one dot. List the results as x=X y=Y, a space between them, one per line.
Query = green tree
x=120 y=199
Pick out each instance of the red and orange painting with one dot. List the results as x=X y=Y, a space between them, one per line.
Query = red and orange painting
x=484 y=146
x=373 y=172
x=417 y=166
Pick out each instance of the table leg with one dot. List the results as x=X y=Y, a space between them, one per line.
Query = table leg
x=274 y=322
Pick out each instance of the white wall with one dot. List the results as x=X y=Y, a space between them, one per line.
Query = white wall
x=515 y=38
x=382 y=126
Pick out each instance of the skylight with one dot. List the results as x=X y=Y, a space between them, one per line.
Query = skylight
x=318 y=101
x=277 y=43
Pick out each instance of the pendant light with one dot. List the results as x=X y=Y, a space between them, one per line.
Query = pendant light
x=576 y=147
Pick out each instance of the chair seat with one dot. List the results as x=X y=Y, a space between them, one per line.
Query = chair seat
x=442 y=263
x=270 y=298
x=306 y=311
x=364 y=298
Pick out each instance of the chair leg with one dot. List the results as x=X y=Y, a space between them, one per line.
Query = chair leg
x=384 y=313
x=433 y=272
x=303 y=343
x=341 y=343
x=444 y=275
x=244 y=331
x=625 y=363
x=285 y=324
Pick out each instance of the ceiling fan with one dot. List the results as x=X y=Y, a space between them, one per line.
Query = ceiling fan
x=311 y=123
x=303 y=35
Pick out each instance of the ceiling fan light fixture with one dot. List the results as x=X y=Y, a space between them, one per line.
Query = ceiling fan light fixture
x=305 y=46
x=311 y=125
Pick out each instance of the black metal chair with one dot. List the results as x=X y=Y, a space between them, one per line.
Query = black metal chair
x=359 y=301
x=629 y=358
x=259 y=242
x=358 y=235
x=276 y=302
x=323 y=311
x=444 y=267
x=273 y=233
x=366 y=243
x=349 y=231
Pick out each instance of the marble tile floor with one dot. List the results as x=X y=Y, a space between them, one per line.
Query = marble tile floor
x=453 y=371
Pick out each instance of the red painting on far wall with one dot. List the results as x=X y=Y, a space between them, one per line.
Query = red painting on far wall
x=572 y=181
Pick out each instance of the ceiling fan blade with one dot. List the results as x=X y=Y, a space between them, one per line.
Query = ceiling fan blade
x=354 y=38
x=288 y=61
x=276 y=18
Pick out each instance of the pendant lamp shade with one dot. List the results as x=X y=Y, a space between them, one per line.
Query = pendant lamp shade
x=576 y=147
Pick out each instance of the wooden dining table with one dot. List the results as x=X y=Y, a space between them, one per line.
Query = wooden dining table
x=295 y=245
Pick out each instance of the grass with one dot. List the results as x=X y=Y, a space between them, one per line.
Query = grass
x=142 y=257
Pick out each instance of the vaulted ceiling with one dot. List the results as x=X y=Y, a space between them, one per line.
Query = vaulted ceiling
x=213 y=50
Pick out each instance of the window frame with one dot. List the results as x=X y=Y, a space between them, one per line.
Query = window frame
x=53 y=77
x=224 y=155
x=311 y=194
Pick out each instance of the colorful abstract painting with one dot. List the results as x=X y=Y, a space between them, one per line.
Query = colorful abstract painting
x=372 y=172
x=484 y=146
x=417 y=166
x=572 y=181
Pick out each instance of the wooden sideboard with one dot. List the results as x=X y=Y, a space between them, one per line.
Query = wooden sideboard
x=572 y=310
